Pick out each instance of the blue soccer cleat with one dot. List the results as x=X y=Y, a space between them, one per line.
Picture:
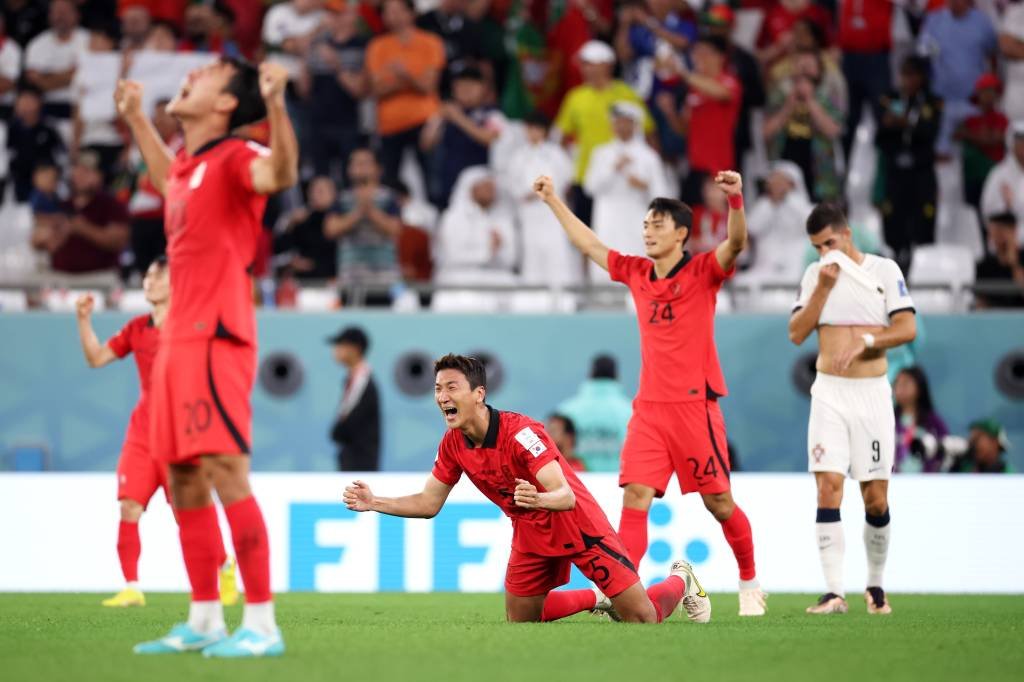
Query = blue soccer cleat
x=246 y=643
x=181 y=639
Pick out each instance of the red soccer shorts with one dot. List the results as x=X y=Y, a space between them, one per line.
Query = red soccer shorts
x=604 y=563
x=201 y=399
x=685 y=438
x=139 y=476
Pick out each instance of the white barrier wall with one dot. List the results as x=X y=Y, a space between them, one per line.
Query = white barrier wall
x=950 y=534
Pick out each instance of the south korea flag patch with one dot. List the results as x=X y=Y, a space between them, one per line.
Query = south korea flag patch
x=529 y=439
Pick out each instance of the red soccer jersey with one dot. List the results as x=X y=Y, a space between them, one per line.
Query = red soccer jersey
x=141 y=337
x=213 y=222
x=517 y=447
x=713 y=126
x=676 y=315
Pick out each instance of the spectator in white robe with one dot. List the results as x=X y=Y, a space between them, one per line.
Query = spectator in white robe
x=777 y=225
x=476 y=245
x=623 y=176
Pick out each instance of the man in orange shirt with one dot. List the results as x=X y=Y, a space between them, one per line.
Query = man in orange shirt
x=405 y=66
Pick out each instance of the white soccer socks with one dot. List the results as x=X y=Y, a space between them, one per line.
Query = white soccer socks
x=831 y=548
x=876 y=542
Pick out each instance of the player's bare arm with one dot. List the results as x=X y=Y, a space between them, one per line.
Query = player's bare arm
x=581 y=236
x=805 y=320
x=158 y=158
x=557 y=495
x=423 y=505
x=728 y=251
x=96 y=354
x=280 y=169
x=902 y=329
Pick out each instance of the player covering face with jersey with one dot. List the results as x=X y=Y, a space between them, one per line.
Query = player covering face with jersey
x=859 y=305
x=556 y=522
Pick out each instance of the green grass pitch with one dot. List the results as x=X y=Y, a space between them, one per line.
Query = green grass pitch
x=453 y=637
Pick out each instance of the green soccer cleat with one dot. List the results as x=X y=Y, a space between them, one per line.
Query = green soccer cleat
x=181 y=639
x=246 y=643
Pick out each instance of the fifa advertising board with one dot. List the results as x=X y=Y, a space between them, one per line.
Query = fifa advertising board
x=950 y=534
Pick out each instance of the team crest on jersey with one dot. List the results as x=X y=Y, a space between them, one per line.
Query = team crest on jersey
x=531 y=441
x=197 y=176
x=818 y=453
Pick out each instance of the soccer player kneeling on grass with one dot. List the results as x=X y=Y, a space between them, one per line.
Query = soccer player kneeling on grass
x=860 y=306
x=555 y=520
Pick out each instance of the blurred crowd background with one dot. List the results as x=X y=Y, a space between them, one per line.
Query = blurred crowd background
x=422 y=125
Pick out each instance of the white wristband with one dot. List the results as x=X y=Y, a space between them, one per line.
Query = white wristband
x=869 y=340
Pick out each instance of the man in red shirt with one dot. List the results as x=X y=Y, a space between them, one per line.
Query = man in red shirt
x=865 y=38
x=215 y=190
x=555 y=521
x=677 y=426
x=709 y=115
x=139 y=475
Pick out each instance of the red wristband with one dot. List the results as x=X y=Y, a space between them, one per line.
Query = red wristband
x=736 y=202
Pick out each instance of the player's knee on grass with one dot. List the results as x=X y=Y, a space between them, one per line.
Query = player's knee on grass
x=230 y=476
x=131 y=511
x=830 y=490
x=634 y=606
x=190 y=487
x=721 y=505
x=523 y=609
x=637 y=496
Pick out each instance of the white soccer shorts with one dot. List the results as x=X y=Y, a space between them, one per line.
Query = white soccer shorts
x=852 y=428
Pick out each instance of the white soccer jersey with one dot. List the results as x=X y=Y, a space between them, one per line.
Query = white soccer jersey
x=864 y=295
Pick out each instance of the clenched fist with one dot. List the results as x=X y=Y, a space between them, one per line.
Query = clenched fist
x=544 y=187
x=84 y=305
x=729 y=182
x=128 y=98
x=273 y=80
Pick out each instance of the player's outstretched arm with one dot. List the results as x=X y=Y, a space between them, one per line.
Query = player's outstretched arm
x=96 y=354
x=728 y=251
x=805 y=320
x=423 y=505
x=158 y=158
x=581 y=236
x=279 y=170
x=558 y=496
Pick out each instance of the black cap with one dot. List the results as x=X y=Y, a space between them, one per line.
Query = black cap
x=466 y=71
x=604 y=367
x=353 y=335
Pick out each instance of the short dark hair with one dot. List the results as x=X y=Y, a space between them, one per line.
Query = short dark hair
x=161 y=260
x=352 y=336
x=472 y=368
x=681 y=214
x=715 y=42
x=409 y=5
x=466 y=71
x=1006 y=218
x=604 y=367
x=568 y=424
x=245 y=86
x=825 y=215
x=537 y=119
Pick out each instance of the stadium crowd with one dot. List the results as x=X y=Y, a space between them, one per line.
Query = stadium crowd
x=422 y=125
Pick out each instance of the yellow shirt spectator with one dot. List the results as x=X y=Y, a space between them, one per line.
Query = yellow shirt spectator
x=585 y=116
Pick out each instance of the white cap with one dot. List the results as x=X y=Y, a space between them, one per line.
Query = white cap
x=1018 y=128
x=596 y=52
x=628 y=109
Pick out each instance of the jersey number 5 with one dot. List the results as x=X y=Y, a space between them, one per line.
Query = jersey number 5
x=661 y=311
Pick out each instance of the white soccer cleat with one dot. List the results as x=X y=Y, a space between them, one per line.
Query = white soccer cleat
x=752 y=602
x=830 y=602
x=878 y=603
x=695 y=601
x=604 y=607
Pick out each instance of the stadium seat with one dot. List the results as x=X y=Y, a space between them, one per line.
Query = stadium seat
x=938 y=276
x=63 y=300
x=465 y=301
x=133 y=301
x=957 y=224
x=13 y=301
x=541 y=302
x=317 y=300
